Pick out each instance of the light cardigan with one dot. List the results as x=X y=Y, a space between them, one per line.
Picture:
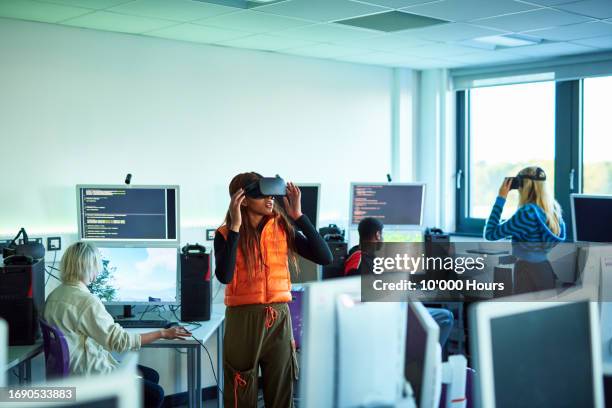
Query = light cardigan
x=90 y=330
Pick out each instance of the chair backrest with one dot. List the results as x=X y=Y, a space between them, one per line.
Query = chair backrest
x=295 y=309
x=56 y=351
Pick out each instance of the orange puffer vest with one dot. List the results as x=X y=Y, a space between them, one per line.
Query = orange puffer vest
x=272 y=284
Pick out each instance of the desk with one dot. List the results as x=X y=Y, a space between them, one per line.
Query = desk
x=194 y=352
x=21 y=357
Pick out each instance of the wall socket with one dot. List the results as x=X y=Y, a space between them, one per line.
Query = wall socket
x=54 y=243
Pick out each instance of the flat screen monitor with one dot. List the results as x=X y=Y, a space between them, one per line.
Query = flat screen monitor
x=310 y=201
x=397 y=205
x=122 y=388
x=422 y=361
x=368 y=334
x=132 y=276
x=133 y=214
x=591 y=218
x=318 y=359
x=537 y=354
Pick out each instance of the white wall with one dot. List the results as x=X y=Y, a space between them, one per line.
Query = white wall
x=83 y=106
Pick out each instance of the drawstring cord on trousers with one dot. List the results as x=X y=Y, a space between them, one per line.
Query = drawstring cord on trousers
x=271 y=315
x=238 y=382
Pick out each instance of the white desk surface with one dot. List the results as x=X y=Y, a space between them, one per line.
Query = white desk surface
x=18 y=354
x=202 y=333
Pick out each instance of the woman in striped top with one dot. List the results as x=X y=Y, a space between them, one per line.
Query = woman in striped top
x=535 y=228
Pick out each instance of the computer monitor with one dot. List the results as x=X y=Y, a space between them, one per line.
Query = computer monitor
x=121 y=388
x=591 y=219
x=369 y=347
x=537 y=354
x=310 y=201
x=132 y=214
x=3 y=351
x=318 y=353
x=423 y=357
x=134 y=275
x=397 y=205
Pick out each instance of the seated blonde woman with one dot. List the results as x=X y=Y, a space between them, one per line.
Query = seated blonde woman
x=90 y=331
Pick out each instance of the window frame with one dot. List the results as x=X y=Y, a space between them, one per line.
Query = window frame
x=567 y=164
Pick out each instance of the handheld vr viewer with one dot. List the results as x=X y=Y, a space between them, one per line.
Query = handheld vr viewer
x=517 y=182
x=266 y=187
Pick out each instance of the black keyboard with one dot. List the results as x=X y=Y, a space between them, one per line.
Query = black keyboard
x=136 y=324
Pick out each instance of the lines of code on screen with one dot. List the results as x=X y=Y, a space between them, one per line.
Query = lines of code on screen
x=128 y=213
x=392 y=204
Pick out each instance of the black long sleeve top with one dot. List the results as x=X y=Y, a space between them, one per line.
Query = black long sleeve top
x=308 y=242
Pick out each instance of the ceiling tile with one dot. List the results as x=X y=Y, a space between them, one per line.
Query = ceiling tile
x=35 y=11
x=573 y=31
x=387 y=42
x=90 y=4
x=328 y=33
x=395 y=60
x=604 y=42
x=267 y=42
x=326 y=51
x=253 y=21
x=550 y=50
x=487 y=57
x=198 y=33
x=465 y=10
x=592 y=8
x=438 y=51
x=104 y=20
x=396 y=3
x=551 y=2
x=177 y=10
x=532 y=20
x=322 y=10
x=451 y=32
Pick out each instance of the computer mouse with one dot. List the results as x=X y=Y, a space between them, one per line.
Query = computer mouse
x=171 y=324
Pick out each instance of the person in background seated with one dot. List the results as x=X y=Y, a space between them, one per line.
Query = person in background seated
x=90 y=330
x=360 y=259
x=535 y=228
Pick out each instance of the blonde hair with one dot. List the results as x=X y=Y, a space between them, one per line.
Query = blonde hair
x=536 y=192
x=81 y=262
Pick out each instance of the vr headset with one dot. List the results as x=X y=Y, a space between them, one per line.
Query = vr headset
x=517 y=182
x=266 y=187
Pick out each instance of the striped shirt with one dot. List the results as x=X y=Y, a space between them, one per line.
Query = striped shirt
x=528 y=224
x=527 y=228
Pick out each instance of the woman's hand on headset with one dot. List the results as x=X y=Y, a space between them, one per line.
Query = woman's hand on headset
x=293 y=201
x=505 y=187
x=234 y=208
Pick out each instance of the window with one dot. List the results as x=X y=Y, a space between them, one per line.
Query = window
x=501 y=130
x=597 y=136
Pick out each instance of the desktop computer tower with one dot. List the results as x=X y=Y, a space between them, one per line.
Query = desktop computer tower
x=336 y=268
x=196 y=298
x=22 y=297
x=437 y=245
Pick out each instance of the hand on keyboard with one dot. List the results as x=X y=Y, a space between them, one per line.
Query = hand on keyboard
x=176 y=332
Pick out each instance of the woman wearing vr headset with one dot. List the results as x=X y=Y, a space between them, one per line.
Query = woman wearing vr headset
x=253 y=249
x=535 y=228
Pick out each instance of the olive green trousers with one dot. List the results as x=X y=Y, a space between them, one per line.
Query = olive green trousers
x=259 y=336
